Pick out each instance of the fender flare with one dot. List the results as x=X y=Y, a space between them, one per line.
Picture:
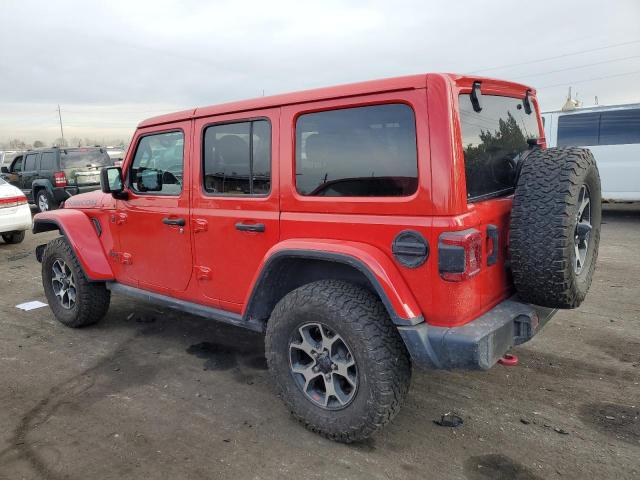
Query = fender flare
x=370 y=261
x=81 y=234
x=41 y=183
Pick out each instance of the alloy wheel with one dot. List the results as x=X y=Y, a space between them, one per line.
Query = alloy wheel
x=63 y=284
x=323 y=366
x=582 y=233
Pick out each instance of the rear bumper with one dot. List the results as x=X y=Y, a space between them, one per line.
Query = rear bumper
x=15 y=219
x=478 y=344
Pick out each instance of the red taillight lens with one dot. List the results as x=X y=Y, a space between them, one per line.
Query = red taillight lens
x=459 y=254
x=59 y=179
x=13 y=201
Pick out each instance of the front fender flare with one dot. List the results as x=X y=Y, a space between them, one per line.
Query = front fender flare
x=81 y=234
x=377 y=267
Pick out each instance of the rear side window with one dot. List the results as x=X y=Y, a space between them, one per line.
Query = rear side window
x=237 y=158
x=619 y=127
x=30 y=162
x=47 y=161
x=160 y=155
x=491 y=140
x=581 y=130
x=357 y=152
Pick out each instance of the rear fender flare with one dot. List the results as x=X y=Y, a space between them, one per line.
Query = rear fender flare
x=81 y=234
x=39 y=185
x=371 y=262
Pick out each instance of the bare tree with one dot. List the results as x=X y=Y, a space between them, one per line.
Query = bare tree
x=38 y=144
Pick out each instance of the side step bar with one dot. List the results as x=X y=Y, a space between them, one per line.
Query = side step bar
x=188 y=307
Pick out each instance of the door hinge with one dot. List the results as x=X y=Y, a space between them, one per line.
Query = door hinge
x=199 y=225
x=118 y=218
x=202 y=273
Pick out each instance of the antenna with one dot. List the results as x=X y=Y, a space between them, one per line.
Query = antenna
x=60 y=117
x=596 y=100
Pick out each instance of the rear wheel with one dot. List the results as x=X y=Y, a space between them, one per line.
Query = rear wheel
x=337 y=359
x=74 y=300
x=555 y=227
x=13 y=237
x=44 y=201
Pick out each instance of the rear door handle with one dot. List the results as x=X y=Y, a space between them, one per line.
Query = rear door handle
x=173 y=221
x=250 y=227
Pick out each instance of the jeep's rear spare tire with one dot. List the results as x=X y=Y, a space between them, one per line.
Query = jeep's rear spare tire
x=555 y=227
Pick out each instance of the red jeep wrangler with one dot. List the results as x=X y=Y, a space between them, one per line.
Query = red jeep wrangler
x=368 y=227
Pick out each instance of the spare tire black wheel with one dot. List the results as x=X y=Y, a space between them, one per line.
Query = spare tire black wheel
x=555 y=227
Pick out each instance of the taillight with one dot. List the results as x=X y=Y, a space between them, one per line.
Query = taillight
x=9 y=202
x=459 y=254
x=59 y=179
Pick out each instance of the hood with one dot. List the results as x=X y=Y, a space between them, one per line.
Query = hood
x=94 y=199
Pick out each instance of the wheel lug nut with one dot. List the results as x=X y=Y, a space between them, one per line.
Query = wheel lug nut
x=316 y=369
x=334 y=366
x=328 y=376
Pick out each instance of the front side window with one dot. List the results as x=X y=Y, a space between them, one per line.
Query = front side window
x=17 y=165
x=30 y=162
x=237 y=158
x=357 y=152
x=158 y=164
x=492 y=139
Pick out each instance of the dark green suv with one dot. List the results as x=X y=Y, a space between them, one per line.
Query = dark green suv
x=49 y=176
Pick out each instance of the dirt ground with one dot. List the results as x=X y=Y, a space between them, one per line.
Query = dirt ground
x=160 y=395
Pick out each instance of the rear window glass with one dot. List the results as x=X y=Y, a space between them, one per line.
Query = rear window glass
x=84 y=158
x=357 y=152
x=491 y=140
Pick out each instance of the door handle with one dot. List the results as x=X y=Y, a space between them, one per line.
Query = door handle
x=250 y=227
x=173 y=221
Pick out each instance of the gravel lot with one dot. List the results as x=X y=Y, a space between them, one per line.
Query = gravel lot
x=155 y=394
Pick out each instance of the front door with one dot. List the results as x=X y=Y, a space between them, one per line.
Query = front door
x=235 y=209
x=29 y=174
x=153 y=223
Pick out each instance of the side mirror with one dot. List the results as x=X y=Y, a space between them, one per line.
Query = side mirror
x=4 y=170
x=149 y=180
x=111 y=182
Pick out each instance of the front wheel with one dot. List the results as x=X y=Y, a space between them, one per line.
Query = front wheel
x=337 y=359
x=74 y=300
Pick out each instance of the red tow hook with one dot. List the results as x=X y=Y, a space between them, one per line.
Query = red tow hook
x=508 y=360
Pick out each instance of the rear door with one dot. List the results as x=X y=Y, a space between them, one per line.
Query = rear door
x=152 y=224
x=235 y=210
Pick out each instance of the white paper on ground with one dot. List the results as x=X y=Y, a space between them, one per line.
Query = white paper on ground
x=31 y=305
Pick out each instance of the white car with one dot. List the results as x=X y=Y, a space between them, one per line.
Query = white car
x=15 y=214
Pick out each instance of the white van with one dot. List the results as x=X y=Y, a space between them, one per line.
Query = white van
x=612 y=133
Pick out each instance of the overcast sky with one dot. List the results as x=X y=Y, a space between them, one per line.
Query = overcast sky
x=111 y=64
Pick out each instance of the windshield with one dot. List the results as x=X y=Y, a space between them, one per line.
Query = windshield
x=78 y=159
x=492 y=138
